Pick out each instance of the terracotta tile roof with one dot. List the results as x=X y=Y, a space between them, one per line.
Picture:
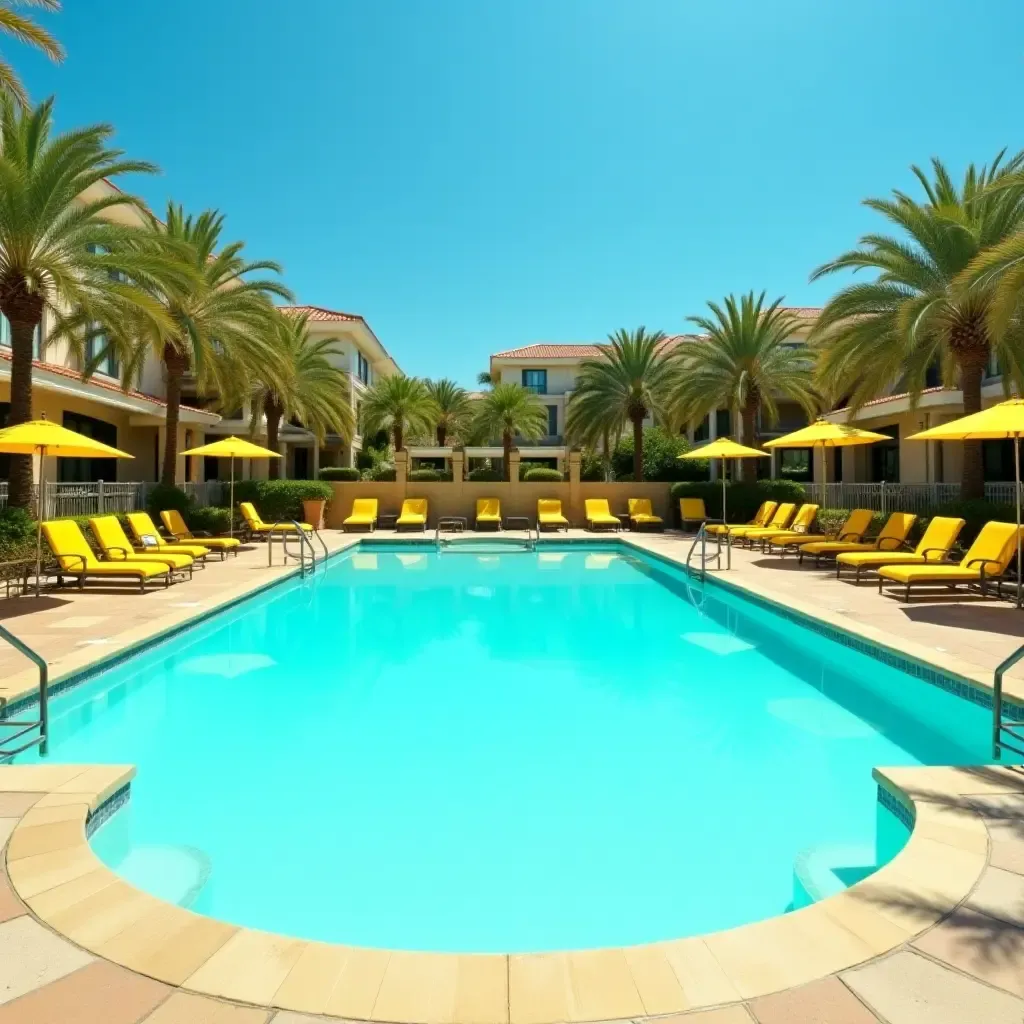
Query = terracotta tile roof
x=583 y=350
x=319 y=313
x=902 y=394
x=106 y=385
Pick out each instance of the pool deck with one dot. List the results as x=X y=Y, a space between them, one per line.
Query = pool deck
x=936 y=936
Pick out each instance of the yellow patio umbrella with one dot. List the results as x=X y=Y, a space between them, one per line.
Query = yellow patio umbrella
x=822 y=434
x=233 y=448
x=723 y=449
x=42 y=438
x=1003 y=422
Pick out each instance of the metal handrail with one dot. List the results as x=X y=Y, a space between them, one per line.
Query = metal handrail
x=23 y=727
x=998 y=726
x=304 y=542
x=702 y=539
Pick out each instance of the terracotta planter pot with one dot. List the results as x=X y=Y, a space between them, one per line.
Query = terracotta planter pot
x=313 y=513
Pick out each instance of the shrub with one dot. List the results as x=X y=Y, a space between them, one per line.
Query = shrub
x=527 y=467
x=161 y=497
x=975 y=515
x=426 y=475
x=541 y=474
x=279 y=500
x=592 y=466
x=210 y=519
x=661 y=461
x=339 y=473
x=830 y=520
x=481 y=476
x=742 y=499
x=17 y=534
x=382 y=474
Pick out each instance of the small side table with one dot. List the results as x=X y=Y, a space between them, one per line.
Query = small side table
x=455 y=524
x=387 y=520
x=624 y=520
x=521 y=523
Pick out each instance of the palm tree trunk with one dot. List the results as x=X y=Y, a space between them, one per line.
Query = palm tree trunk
x=23 y=330
x=506 y=443
x=175 y=365
x=273 y=413
x=607 y=442
x=638 y=448
x=972 y=480
x=442 y=435
x=399 y=435
x=748 y=470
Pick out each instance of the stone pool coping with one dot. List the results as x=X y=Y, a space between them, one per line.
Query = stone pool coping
x=65 y=886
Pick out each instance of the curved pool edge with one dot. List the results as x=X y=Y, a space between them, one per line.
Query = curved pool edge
x=54 y=871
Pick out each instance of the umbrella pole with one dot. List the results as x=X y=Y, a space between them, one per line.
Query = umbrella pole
x=39 y=519
x=724 y=520
x=231 y=511
x=1016 y=480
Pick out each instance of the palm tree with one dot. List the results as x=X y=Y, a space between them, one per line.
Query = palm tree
x=916 y=313
x=25 y=30
x=57 y=252
x=746 y=361
x=450 y=407
x=401 y=405
x=508 y=410
x=486 y=379
x=222 y=325
x=631 y=380
x=306 y=386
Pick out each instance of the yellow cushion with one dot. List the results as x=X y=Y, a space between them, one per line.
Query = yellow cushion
x=74 y=555
x=937 y=573
x=142 y=526
x=641 y=507
x=597 y=511
x=414 y=510
x=824 y=547
x=862 y=558
x=364 y=510
x=118 y=548
x=646 y=519
x=549 y=510
x=692 y=508
x=939 y=537
x=488 y=509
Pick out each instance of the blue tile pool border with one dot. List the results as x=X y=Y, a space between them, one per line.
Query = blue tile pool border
x=896 y=807
x=101 y=814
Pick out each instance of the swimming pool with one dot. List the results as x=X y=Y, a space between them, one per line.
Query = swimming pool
x=500 y=752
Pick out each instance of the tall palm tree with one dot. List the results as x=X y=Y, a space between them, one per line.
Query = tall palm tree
x=305 y=386
x=22 y=28
x=400 y=405
x=57 y=250
x=450 y=407
x=916 y=313
x=631 y=380
x=747 y=360
x=222 y=325
x=486 y=379
x=506 y=411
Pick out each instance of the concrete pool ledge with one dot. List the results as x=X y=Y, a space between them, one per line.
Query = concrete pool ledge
x=950 y=863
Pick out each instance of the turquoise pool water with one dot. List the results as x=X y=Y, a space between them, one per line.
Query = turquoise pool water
x=500 y=752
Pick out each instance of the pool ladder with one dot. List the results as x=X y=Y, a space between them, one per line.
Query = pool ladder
x=305 y=544
x=26 y=733
x=702 y=540
x=1006 y=732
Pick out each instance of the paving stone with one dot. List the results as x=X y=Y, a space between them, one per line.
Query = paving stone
x=100 y=993
x=14 y=805
x=737 y=1014
x=908 y=989
x=287 y=1017
x=10 y=905
x=1000 y=894
x=187 y=1008
x=982 y=946
x=827 y=1001
x=31 y=955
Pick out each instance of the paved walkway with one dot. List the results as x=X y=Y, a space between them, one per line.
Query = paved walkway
x=936 y=937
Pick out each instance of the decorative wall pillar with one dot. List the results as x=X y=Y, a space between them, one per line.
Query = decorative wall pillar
x=402 y=468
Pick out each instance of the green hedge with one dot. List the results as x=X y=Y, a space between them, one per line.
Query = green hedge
x=161 y=497
x=661 y=457
x=339 y=473
x=591 y=466
x=742 y=499
x=280 y=500
x=427 y=476
x=381 y=474
x=484 y=476
x=976 y=514
x=209 y=519
x=541 y=474
x=830 y=520
x=17 y=534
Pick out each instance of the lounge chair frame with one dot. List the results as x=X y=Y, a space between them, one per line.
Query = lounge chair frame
x=981 y=581
x=859 y=570
x=61 y=572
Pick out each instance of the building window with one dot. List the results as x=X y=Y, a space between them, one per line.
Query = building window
x=996 y=460
x=885 y=456
x=796 y=464
x=5 y=336
x=552 y=420
x=723 y=424
x=97 y=348
x=363 y=365
x=81 y=470
x=536 y=381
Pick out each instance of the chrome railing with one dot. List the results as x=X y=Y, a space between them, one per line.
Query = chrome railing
x=702 y=540
x=40 y=726
x=1002 y=727
x=281 y=529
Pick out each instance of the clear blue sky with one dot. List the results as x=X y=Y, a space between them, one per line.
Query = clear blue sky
x=472 y=175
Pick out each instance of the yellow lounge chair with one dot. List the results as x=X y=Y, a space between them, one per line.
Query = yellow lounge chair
x=147 y=536
x=892 y=537
x=75 y=558
x=488 y=513
x=598 y=514
x=116 y=546
x=801 y=525
x=857 y=523
x=779 y=521
x=763 y=517
x=174 y=524
x=364 y=513
x=549 y=513
x=934 y=546
x=414 y=514
x=641 y=514
x=691 y=510
x=988 y=558
x=257 y=528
